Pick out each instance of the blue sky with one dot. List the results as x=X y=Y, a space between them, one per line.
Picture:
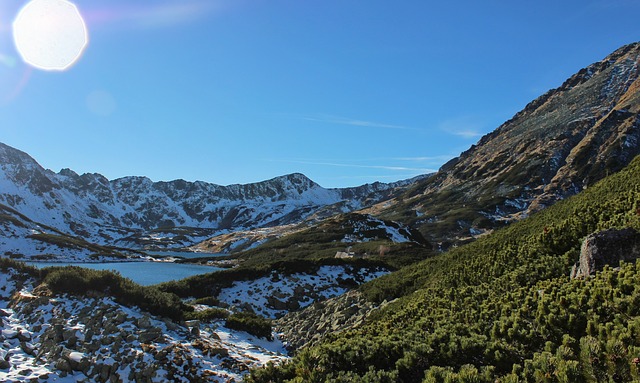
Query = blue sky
x=345 y=91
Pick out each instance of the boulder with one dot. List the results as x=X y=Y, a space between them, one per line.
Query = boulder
x=275 y=303
x=144 y=322
x=149 y=335
x=607 y=247
x=63 y=365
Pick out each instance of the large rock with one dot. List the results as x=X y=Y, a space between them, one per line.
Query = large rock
x=308 y=326
x=607 y=247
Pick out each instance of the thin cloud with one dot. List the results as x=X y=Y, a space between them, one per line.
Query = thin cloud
x=465 y=127
x=374 y=176
x=354 y=122
x=348 y=165
x=430 y=159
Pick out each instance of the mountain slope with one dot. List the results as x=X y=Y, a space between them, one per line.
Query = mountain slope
x=136 y=212
x=502 y=308
x=560 y=144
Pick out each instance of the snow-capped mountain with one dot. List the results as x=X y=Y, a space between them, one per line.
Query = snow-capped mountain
x=135 y=211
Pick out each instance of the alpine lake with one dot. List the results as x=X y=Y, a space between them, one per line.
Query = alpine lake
x=148 y=273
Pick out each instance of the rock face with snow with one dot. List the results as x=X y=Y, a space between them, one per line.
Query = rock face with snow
x=559 y=144
x=136 y=212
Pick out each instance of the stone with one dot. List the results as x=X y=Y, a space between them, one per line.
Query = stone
x=72 y=341
x=62 y=364
x=111 y=328
x=161 y=355
x=66 y=334
x=4 y=364
x=149 y=335
x=58 y=331
x=275 y=303
x=88 y=335
x=105 y=372
x=608 y=247
x=93 y=346
x=170 y=324
x=27 y=348
x=25 y=372
x=144 y=322
x=120 y=318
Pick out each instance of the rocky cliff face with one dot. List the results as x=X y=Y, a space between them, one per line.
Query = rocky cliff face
x=559 y=144
x=135 y=211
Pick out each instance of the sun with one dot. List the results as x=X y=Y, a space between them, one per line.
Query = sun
x=50 y=34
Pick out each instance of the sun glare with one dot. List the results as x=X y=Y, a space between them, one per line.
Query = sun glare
x=50 y=34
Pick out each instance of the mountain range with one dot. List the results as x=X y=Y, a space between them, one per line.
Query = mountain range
x=135 y=212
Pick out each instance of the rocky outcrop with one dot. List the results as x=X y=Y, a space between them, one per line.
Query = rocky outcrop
x=307 y=327
x=608 y=247
x=98 y=340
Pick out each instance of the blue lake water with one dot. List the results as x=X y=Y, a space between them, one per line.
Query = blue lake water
x=144 y=273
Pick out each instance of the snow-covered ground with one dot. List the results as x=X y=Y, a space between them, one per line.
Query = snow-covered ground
x=69 y=339
x=277 y=294
x=363 y=227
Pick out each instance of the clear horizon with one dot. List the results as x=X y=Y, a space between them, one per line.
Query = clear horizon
x=236 y=92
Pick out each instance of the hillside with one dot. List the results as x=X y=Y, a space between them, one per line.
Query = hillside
x=502 y=308
x=559 y=144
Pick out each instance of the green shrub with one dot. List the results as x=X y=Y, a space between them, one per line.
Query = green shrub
x=502 y=308
x=207 y=315
x=8 y=263
x=251 y=323
x=80 y=281
x=208 y=301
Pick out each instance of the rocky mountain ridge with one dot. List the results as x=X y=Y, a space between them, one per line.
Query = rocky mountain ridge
x=136 y=212
x=559 y=144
